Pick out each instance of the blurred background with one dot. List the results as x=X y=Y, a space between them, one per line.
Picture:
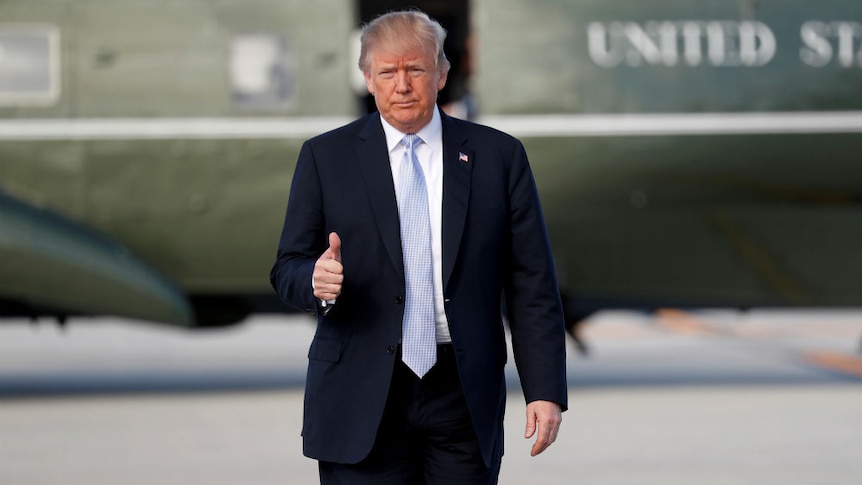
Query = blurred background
x=698 y=167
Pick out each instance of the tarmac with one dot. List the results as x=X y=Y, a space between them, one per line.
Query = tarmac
x=671 y=398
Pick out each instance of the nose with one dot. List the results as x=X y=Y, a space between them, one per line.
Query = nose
x=402 y=83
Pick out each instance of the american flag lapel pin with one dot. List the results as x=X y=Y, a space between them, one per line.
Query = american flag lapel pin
x=462 y=157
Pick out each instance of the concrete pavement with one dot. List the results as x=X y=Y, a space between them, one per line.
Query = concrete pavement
x=723 y=399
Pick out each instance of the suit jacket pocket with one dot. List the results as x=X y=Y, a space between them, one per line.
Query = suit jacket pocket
x=328 y=350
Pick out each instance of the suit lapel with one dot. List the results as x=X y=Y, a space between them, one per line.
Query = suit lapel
x=457 y=173
x=373 y=160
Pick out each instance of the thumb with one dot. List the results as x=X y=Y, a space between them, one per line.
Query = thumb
x=531 y=424
x=334 y=246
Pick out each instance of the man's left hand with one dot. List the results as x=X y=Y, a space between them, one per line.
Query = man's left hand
x=543 y=420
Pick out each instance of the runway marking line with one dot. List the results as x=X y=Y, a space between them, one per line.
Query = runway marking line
x=681 y=321
x=835 y=361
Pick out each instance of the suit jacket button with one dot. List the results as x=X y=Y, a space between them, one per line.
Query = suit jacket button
x=399 y=299
x=390 y=350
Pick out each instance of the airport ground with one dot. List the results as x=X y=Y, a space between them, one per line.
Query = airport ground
x=674 y=398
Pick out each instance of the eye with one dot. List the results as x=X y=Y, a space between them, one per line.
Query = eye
x=417 y=71
x=386 y=74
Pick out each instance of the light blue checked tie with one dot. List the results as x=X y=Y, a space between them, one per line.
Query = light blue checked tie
x=418 y=340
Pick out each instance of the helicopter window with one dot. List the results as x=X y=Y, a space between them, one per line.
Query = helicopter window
x=261 y=72
x=29 y=60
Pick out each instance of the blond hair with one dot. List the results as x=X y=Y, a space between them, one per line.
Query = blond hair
x=402 y=31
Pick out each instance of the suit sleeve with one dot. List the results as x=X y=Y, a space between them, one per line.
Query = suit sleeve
x=532 y=296
x=303 y=237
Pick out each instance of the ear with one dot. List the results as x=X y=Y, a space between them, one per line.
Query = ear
x=444 y=74
x=368 y=82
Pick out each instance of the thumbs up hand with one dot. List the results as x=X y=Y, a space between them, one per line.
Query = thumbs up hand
x=328 y=271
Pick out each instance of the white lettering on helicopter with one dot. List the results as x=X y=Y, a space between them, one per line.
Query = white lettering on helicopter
x=831 y=42
x=719 y=43
x=716 y=43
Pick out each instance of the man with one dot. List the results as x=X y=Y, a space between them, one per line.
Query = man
x=403 y=229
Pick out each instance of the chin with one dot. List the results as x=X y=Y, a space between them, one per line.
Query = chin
x=405 y=123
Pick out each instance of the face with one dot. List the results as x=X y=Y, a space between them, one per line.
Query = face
x=404 y=86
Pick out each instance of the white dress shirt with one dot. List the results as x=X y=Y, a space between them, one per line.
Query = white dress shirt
x=430 y=155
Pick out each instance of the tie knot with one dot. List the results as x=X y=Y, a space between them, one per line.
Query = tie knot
x=410 y=140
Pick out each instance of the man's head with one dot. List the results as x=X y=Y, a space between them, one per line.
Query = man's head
x=404 y=66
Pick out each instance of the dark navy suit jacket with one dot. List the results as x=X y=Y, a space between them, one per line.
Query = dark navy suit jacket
x=495 y=250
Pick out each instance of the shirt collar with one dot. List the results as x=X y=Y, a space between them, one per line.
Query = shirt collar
x=431 y=134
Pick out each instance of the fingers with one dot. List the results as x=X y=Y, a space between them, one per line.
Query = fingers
x=328 y=277
x=328 y=271
x=543 y=421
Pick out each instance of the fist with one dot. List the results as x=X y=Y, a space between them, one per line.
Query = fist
x=328 y=271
